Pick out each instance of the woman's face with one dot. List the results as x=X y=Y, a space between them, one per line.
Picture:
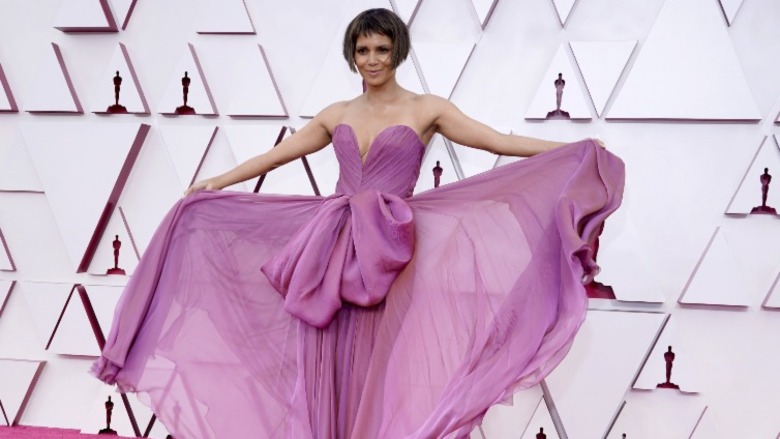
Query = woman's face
x=373 y=58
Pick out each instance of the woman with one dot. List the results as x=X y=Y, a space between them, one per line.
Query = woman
x=376 y=42
x=371 y=313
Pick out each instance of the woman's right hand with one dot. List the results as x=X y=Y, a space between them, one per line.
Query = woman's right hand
x=208 y=185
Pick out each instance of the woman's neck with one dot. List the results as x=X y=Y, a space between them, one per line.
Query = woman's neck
x=385 y=93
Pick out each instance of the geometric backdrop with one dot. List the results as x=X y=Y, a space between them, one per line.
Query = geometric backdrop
x=686 y=92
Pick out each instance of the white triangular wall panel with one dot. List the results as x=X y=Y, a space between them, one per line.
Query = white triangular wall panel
x=707 y=427
x=475 y=161
x=256 y=91
x=484 y=10
x=334 y=82
x=131 y=96
x=52 y=89
x=17 y=381
x=33 y=238
x=57 y=150
x=103 y=260
x=541 y=422
x=508 y=420
x=772 y=300
x=601 y=63
x=219 y=160
x=748 y=194
x=6 y=261
x=436 y=152
x=225 y=17
x=103 y=299
x=406 y=9
x=653 y=415
x=442 y=64
x=563 y=9
x=63 y=393
x=152 y=189
x=123 y=10
x=624 y=266
x=685 y=372
x=199 y=95
x=187 y=147
x=6 y=286
x=608 y=340
x=408 y=76
x=17 y=172
x=757 y=249
x=45 y=302
x=730 y=9
x=573 y=99
x=247 y=141
x=687 y=69
x=74 y=334
x=7 y=101
x=85 y=16
x=719 y=278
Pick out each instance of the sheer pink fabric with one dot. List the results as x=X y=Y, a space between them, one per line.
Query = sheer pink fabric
x=412 y=314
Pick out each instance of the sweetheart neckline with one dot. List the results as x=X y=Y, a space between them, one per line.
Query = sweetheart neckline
x=379 y=134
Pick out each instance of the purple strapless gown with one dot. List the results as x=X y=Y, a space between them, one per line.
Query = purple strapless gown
x=371 y=313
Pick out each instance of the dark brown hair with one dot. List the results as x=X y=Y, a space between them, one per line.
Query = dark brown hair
x=377 y=21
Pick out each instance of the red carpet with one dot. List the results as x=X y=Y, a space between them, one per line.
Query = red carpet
x=21 y=432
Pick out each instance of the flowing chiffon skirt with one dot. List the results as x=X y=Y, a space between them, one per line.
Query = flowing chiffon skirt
x=489 y=304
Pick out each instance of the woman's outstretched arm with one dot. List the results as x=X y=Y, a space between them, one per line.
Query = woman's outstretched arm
x=311 y=138
x=456 y=126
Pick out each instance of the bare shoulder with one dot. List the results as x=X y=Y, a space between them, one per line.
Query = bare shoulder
x=332 y=115
x=431 y=107
x=429 y=101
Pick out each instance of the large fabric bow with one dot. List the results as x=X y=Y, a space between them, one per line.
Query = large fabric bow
x=350 y=251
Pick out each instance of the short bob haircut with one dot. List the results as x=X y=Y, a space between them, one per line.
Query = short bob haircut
x=377 y=21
